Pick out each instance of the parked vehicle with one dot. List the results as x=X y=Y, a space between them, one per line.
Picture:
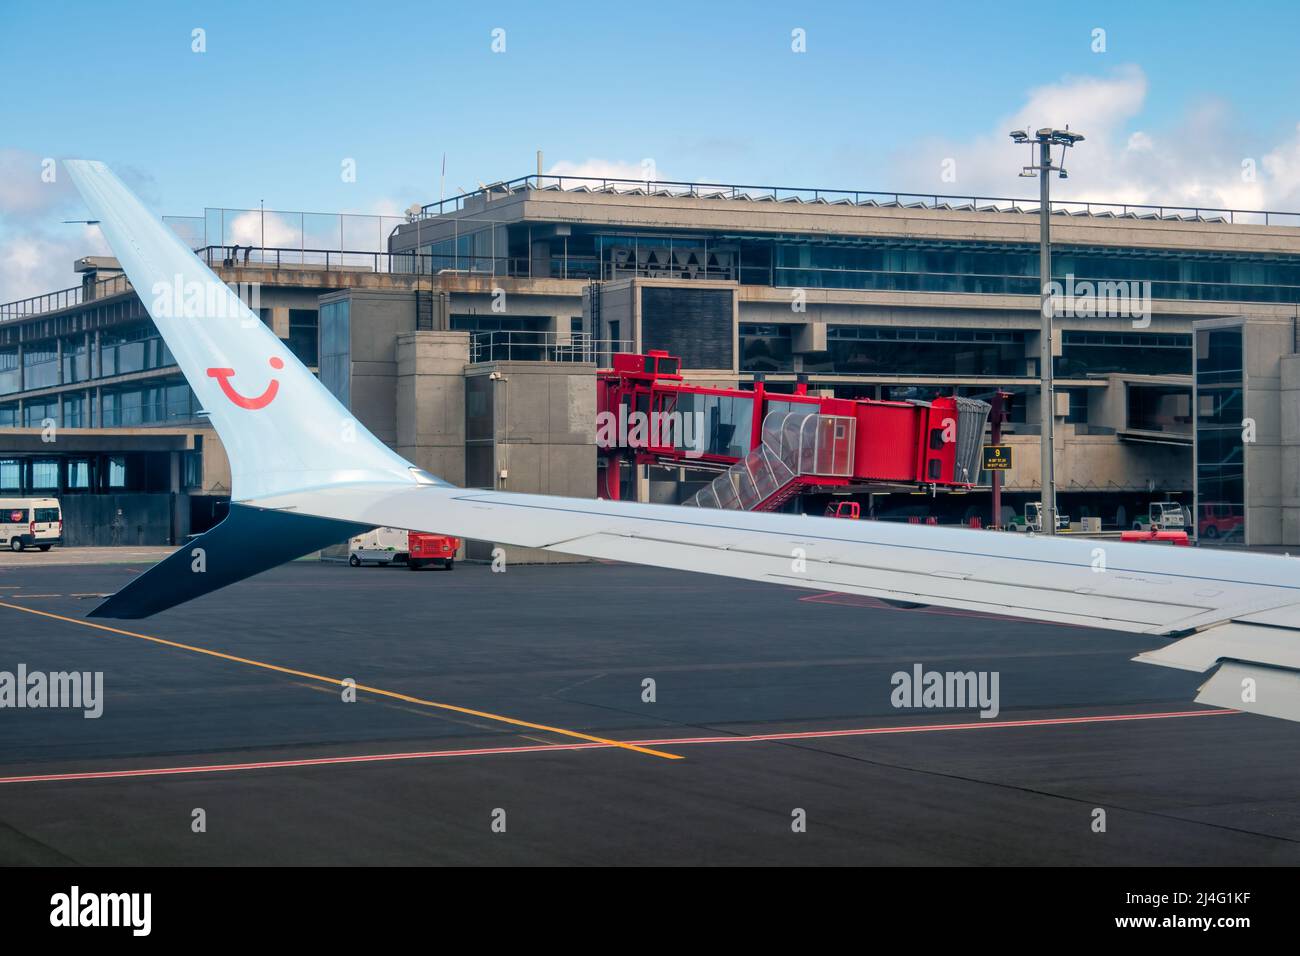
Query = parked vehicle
x=30 y=523
x=1161 y=516
x=429 y=549
x=1218 y=521
x=415 y=549
x=1176 y=538
x=382 y=546
x=1032 y=520
x=844 y=509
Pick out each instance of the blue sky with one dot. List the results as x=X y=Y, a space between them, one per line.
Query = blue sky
x=285 y=92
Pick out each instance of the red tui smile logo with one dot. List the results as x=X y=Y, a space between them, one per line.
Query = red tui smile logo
x=222 y=375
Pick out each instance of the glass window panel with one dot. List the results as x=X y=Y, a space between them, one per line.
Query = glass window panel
x=45 y=474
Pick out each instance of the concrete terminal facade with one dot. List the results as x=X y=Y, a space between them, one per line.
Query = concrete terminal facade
x=470 y=343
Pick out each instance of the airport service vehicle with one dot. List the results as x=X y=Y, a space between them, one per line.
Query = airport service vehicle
x=1176 y=538
x=1032 y=519
x=300 y=482
x=426 y=550
x=1218 y=521
x=382 y=546
x=844 y=509
x=30 y=523
x=1161 y=516
x=415 y=549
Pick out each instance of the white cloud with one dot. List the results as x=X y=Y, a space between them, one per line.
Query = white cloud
x=1196 y=161
x=643 y=170
x=24 y=189
x=37 y=249
x=1140 y=142
x=35 y=262
x=384 y=206
x=1282 y=171
x=250 y=228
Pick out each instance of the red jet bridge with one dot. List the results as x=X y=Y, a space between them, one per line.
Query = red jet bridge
x=768 y=447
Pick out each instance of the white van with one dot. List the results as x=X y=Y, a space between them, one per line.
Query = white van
x=30 y=523
x=382 y=546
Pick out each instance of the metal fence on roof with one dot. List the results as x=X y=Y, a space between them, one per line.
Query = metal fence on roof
x=856 y=197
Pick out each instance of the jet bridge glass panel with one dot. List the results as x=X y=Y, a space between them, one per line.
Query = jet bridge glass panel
x=1220 y=451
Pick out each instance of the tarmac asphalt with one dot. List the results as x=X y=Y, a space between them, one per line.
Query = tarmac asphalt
x=493 y=713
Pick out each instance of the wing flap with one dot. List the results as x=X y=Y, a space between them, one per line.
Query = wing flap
x=1238 y=641
x=793 y=565
x=1256 y=666
x=1257 y=690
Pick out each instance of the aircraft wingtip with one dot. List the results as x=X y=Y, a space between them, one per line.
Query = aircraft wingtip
x=79 y=169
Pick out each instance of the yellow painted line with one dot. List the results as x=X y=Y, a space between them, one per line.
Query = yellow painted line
x=476 y=724
x=486 y=715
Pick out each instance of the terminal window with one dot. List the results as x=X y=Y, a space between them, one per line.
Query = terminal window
x=1220 y=453
x=304 y=335
x=888 y=350
x=766 y=348
x=336 y=350
x=1136 y=353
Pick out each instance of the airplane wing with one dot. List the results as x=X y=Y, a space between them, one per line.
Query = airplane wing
x=307 y=474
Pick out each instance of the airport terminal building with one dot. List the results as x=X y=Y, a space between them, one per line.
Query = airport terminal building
x=469 y=336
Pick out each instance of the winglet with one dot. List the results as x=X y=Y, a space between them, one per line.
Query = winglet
x=282 y=430
x=247 y=542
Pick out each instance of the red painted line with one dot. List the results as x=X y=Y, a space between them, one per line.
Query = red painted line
x=307 y=762
x=665 y=741
x=926 y=728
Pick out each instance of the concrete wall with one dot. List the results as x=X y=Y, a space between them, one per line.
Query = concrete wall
x=1289 y=465
x=431 y=401
x=617 y=304
x=216 y=465
x=376 y=320
x=1265 y=342
x=517 y=301
x=545 y=436
x=546 y=428
x=1100 y=463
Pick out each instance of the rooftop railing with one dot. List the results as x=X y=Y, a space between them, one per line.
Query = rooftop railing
x=390 y=263
x=524 y=346
x=856 y=197
x=324 y=260
x=62 y=299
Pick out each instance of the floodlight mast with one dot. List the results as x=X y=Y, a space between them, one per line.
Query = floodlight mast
x=1045 y=139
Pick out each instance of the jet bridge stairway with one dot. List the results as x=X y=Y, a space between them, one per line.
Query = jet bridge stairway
x=798 y=449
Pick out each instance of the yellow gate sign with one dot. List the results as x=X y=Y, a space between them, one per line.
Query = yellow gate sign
x=997 y=457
